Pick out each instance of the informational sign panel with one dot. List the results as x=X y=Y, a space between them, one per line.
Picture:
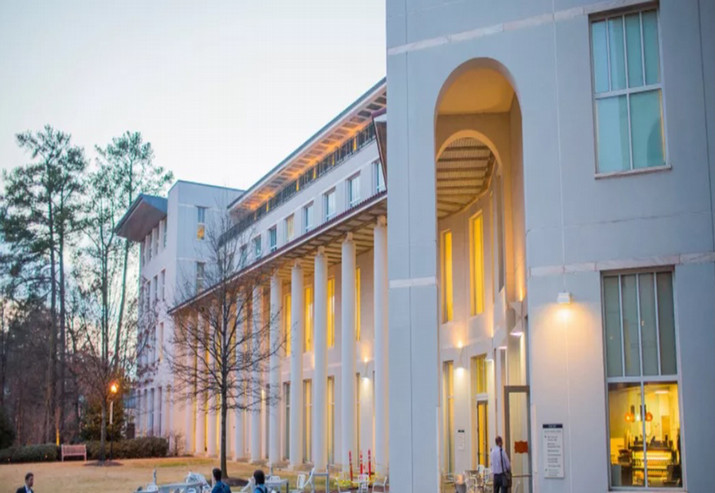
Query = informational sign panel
x=553 y=450
x=460 y=439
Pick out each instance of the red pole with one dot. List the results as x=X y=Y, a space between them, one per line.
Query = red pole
x=369 y=463
x=350 y=459
x=361 y=469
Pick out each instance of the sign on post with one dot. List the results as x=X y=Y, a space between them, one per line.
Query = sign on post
x=553 y=450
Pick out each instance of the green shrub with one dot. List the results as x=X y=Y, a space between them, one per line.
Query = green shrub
x=48 y=452
x=7 y=430
x=136 y=448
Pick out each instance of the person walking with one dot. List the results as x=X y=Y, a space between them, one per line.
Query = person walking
x=260 y=479
x=219 y=486
x=29 y=482
x=501 y=468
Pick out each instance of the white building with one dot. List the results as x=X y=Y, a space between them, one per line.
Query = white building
x=547 y=247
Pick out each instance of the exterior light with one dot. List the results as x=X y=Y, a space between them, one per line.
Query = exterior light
x=563 y=298
x=517 y=333
x=114 y=388
x=459 y=345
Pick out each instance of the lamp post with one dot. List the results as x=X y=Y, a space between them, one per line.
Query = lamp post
x=113 y=389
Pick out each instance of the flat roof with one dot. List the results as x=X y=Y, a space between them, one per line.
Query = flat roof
x=145 y=212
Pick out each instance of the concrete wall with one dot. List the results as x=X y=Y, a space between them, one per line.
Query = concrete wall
x=575 y=223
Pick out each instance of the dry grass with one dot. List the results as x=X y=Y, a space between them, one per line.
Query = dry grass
x=76 y=477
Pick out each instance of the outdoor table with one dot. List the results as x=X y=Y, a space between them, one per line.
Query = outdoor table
x=277 y=484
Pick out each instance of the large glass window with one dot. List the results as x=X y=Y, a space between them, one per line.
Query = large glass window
x=642 y=376
x=448 y=390
x=447 y=298
x=480 y=400
x=307 y=420
x=331 y=420
x=627 y=91
x=287 y=321
x=200 y=276
x=273 y=239
x=476 y=263
x=379 y=177
x=201 y=222
x=257 y=247
x=286 y=419
x=308 y=217
x=289 y=228
x=357 y=304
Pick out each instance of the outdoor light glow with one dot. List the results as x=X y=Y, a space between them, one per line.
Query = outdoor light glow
x=517 y=333
x=459 y=345
x=114 y=388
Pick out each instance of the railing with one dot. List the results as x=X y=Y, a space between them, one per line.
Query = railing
x=331 y=161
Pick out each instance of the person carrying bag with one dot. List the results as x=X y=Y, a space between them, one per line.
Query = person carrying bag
x=501 y=468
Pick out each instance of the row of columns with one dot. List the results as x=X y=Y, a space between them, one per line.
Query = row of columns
x=154 y=411
x=319 y=381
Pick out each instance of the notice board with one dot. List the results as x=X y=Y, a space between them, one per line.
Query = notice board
x=553 y=450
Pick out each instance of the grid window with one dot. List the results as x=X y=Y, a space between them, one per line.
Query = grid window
x=273 y=239
x=353 y=190
x=357 y=304
x=331 y=312
x=379 y=180
x=329 y=204
x=627 y=87
x=287 y=322
x=331 y=420
x=289 y=228
x=480 y=402
x=642 y=380
x=257 y=247
x=308 y=217
x=476 y=264
x=448 y=389
x=308 y=341
x=307 y=420
x=447 y=298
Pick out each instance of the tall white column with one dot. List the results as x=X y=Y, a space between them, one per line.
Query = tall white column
x=274 y=371
x=157 y=412
x=147 y=412
x=380 y=346
x=239 y=439
x=296 y=366
x=199 y=444
x=138 y=414
x=188 y=424
x=320 y=445
x=347 y=324
x=212 y=416
x=257 y=318
x=164 y=427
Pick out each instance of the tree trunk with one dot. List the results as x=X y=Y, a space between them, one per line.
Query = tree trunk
x=63 y=321
x=122 y=301
x=50 y=397
x=103 y=433
x=224 y=409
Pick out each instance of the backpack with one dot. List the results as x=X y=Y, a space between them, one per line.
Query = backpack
x=260 y=488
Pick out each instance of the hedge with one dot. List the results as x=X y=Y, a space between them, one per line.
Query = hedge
x=48 y=452
x=136 y=448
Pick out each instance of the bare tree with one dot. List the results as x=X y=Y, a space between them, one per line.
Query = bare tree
x=221 y=346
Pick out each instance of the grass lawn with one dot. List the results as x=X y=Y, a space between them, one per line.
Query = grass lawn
x=76 y=477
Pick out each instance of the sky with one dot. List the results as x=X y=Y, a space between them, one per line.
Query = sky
x=224 y=90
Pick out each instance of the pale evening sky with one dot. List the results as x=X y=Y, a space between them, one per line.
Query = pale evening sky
x=222 y=89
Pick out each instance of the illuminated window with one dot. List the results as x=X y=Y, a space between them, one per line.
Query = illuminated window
x=308 y=341
x=307 y=420
x=289 y=228
x=447 y=298
x=331 y=420
x=287 y=322
x=642 y=375
x=331 y=312
x=357 y=304
x=476 y=264
x=201 y=222
x=627 y=91
x=480 y=401
x=499 y=233
x=448 y=390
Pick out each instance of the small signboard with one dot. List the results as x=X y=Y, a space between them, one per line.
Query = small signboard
x=460 y=439
x=553 y=450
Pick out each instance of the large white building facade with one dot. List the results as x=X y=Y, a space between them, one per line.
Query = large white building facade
x=543 y=268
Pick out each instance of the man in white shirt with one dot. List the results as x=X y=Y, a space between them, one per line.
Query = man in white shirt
x=500 y=464
x=29 y=482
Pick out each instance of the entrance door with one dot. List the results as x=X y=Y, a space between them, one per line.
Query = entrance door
x=518 y=433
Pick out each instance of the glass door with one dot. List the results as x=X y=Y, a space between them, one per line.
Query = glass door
x=518 y=433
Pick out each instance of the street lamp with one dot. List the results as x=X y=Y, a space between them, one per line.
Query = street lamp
x=113 y=390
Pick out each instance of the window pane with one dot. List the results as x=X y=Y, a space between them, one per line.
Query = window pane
x=617 y=53
x=630 y=325
x=612 y=314
x=646 y=129
x=650 y=45
x=633 y=43
x=649 y=343
x=612 y=134
x=625 y=432
x=662 y=427
x=599 y=54
x=666 y=324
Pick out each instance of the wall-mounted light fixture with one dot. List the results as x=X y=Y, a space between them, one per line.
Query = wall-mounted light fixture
x=563 y=298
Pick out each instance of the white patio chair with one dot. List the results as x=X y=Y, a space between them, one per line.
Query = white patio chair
x=363 y=483
x=302 y=483
x=380 y=484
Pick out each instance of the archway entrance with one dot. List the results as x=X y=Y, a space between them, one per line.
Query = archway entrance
x=481 y=272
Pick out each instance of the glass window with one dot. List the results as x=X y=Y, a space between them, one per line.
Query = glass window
x=163 y=285
x=273 y=239
x=447 y=306
x=287 y=325
x=379 y=179
x=164 y=230
x=307 y=420
x=329 y=205
x=201 y=222
x=627 y=92
x=480 y=401
x=257 y=247
x=476 y=265
x=331 y=420
x=155 y=238
x=353 y=190
x=289 y=228
x=448 y=389
x=308 y=217
x=357 y=304
x=331 y=312
x=199 y=276
x=286 y=419
x=308 y=341
x=641 y=374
